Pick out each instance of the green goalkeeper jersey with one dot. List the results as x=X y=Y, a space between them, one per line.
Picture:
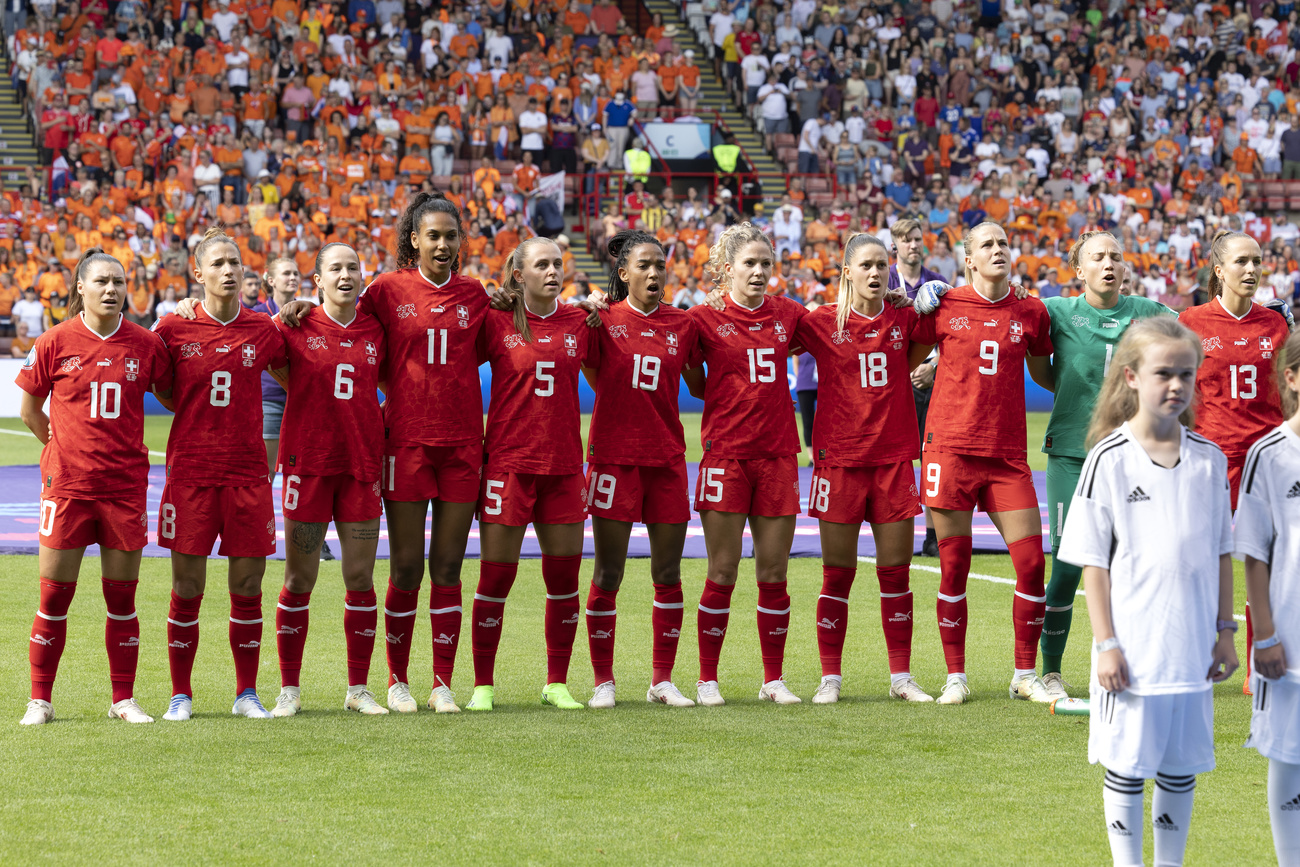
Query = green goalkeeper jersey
x=1084 y=339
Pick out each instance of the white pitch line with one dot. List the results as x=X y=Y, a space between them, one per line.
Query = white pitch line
x=20 y=433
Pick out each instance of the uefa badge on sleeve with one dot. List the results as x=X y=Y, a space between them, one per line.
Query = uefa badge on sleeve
x=250 y=354
x=1017 y=331
x=571 y=344
x=132 y=369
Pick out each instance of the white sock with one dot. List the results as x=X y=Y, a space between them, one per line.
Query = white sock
x=1121 y=799
x=896 y=679
x=1018 y=673
x=959 y=675
x=1284 y=811
x=1171 y=814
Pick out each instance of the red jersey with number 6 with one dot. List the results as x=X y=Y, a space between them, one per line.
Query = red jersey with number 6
x=748 y=410
x=534 y=421
x=978 y=403
x=639 y=359
x=433 y=393
x=1237 y=396
x=332 y=422
x=216 y=437
x=98 y=386
x=865 y=412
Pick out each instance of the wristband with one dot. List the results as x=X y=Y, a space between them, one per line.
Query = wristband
x=1111 y=643
x=1265 y=643
x=1220 y=625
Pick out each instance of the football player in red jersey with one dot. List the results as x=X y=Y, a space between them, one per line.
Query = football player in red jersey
x=331 y=472
x=95 y=367
x=637 y=457
x=217 y=484
x=750 y=470
x=1238 y=398
x=864 y=441
x=974 y=451
x=533 y=471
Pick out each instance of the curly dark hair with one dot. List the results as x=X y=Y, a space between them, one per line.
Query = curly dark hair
x=423 y=204
x=619 y=246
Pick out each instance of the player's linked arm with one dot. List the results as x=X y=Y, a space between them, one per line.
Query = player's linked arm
x=917 y=354
x=165 y=398
x=280 y=375
x=694 y=378
x=32 y=412
x=1040 y=371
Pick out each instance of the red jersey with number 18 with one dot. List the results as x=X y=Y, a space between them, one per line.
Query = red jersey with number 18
x=216 y=437
x=433 y=392
x=978 y=403
x=639 y=359
x=97 y=411
x=748 y=410
x=534 y=421
x=332 y=422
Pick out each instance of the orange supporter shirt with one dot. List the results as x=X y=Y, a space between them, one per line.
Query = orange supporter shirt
x=418 y=167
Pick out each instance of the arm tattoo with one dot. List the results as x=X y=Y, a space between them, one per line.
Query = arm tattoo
x=307 y=538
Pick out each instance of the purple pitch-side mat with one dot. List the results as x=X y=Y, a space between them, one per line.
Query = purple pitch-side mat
x=20 y=516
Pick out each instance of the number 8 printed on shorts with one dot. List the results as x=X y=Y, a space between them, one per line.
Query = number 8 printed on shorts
x=932 y=476
x=821 y=494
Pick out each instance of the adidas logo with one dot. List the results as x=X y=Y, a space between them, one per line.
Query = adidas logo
x=1117 y=828
x=1138 y=496
x=1164 y=823
x=1293 y=804
x=1294 y=492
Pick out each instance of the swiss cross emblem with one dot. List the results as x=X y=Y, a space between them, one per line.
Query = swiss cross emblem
x=1017 y=329
x=672 y=338
x=249 y=352
x=132 y=369
x=462 y=312
x=570 y=341
x=779 y=328
x=370 y=348
x=1266 y=344
x=895 y=333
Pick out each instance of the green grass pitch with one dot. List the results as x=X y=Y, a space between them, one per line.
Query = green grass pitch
x=867 y=781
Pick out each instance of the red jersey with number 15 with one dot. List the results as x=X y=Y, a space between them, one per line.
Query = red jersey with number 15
x=433 y=393
x=216 y=437
x=978 y=403
x=748 y=410
x=534 y=421
x=332 y=423
x=98 y=386
x=639 y=359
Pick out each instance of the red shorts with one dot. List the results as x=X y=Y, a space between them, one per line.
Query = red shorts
x=650 y=495
x=412 y=474
x=882 y=494
x=960 y=482
x=767 y=487
x=321 y=499
x=518 y=499
x=190 y=519
x=121 y=524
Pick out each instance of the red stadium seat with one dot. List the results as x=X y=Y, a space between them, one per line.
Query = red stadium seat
x=1275 y=203
x=1273 y=189
x=461 y=167
x=784 y=140
x=817 y=184
x=787 y=155
x=821 y=199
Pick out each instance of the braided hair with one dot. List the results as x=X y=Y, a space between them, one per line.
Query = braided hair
x=423 y=204
x=619 y=247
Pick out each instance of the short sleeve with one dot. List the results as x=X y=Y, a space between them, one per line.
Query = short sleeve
x=694 y=346
x=1041 y=344
x=279 y=349
x=926 y=330
x=805 y=335
x=366 y=303
x=1254 y=533
x=163 y=370
x=1225 y=523
x=1090 y=527
x=36 y=377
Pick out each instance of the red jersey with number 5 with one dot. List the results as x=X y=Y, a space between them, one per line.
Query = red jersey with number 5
x=534 y=421
x=98 y=386
x=332 y=422
x=433 y=392
x=978 y=403
x=639 y=359
x=865 y=412
x=1237 y=396
x=216 y=437
x=748 y=410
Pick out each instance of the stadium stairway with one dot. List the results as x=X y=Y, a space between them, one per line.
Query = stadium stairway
x=17 y=138
x=583 y=260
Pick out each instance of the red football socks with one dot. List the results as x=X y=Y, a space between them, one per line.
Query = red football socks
x=560 y=575
x=399 y=622
x=444 y=616
x=182 y=641
x=291 y=617
x=950 y=608
x=896 y=616
x=1030 y=603
x=602 y=617
x=49 y=633
x=245 y=639
x=711 y=626
x=833 y=616
x=666 y=622
x=360 y=620
x=494 y=583
x=773 y=625
x=121 y=636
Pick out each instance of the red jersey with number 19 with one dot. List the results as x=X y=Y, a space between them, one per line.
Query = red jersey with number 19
x=332 y=422
x=433 y=392
x=639 y=358
x=216 y=437
x=865 y=413
x=978 y=403
x=97 y=411
x=534 y=421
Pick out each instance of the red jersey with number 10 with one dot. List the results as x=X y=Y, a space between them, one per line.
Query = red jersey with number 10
x=433 y=392
x=639 y=359
x=216 y=437
x=978 y=403
x=534 y=421
x=748 y=410
x=332 y=423
x=97 y=387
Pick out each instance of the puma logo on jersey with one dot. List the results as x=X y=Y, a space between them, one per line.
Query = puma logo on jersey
x=317 y=343
x=1241 y=341
x=107 y=362
x=1211 y=343
x=991 y=324
x=1079 y=321
x=438 y=309
x=727 y=329
x=1294 y=492
x=444 y=638
x=406 y=311
x=826 y=623
x=840 y=337
x=1109 y=323
x=514 y=340
x=757 y=326
x=1138 y=496
x=225 y=348
x=190 y=350
x=71 y=364
x=957 y=323
x=618 y=331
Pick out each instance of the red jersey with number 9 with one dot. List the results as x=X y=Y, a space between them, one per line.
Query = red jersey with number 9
x=748 y=410
x=98 y=386
x=216 y=437
x=433 y=392
x=534 y=421
x=978 y=403
x=332 y=422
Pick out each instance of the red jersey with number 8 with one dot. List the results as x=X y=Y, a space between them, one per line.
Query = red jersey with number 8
x=534 y=421
x=748 y=410
x=332 y=422
x=978 y=403
x=433 y=392
x=216 y=437
x=97 y=413
x=639 y=358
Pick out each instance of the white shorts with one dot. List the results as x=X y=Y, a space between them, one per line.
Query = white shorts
x=1138 y=735
x=1273 y=728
